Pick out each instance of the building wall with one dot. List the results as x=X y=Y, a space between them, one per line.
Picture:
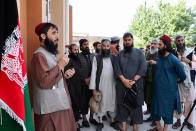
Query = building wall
x=31 y=13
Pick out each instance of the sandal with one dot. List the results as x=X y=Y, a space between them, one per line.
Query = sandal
x=191 y=127
x=153 y=129
x=122 y=129
x=176 y=125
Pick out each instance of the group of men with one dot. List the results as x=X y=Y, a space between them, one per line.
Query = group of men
x=63 y=88
x=159 y=81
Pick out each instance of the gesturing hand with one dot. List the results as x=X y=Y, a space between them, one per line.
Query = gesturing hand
x=63 y=62
x=184 y=59
x=152 y=62
x=69 y=73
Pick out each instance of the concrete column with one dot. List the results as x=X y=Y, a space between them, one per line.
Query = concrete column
x=58 y=13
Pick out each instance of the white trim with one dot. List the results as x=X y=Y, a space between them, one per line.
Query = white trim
x=11 y=40
x=12 y=114
x=66 y=25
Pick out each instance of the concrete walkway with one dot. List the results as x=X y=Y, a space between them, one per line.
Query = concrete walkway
x=143 y=127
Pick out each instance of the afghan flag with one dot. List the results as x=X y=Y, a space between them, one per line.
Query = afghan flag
x=15 y=108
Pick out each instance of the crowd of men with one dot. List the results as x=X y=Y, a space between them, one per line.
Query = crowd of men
x=65 y=90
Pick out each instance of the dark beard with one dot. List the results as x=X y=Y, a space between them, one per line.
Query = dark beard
x=162 y=52
x=50 y=46
x=128 y=48
x=180 y=48
x=86 y=51
x=98 y=51
x=105 y=53
x=117 y=47
x=73 y=56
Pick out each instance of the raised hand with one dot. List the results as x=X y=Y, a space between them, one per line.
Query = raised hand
x=63 y=61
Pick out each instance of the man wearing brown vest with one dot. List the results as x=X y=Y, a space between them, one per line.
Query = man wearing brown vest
x=52 y=105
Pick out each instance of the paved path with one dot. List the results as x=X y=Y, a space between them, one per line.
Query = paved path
x=143 y=127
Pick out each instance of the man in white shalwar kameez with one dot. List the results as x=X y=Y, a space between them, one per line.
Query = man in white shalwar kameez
x=186 y=88
x=103 y=80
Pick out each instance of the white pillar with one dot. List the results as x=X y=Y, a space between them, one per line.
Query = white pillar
x=66 y=25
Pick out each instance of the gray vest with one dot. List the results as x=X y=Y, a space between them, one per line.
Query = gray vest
x=52 y=99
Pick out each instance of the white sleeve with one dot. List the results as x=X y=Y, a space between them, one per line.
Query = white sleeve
x=92 y=85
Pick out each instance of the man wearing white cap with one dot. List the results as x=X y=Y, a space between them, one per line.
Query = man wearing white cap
x=115 y=40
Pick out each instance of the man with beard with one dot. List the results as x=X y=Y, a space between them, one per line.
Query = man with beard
x=169 y=72
x=115 y=45
x=151 y=57
x=97 y=47
x=75 y=82
x=192 y=58
x=85 y=58
x=103 y=81
x=130 y=67
x=186 y=88
x=52 y=105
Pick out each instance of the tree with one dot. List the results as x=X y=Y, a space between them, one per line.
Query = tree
x=151 y=22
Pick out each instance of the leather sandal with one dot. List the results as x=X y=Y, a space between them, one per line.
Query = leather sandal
x=176 y=125
x=191 y=127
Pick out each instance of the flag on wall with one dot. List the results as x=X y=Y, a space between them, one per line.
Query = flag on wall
x=15 y=108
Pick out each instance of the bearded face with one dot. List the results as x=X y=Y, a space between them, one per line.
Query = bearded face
x=180 y=44
x=98 y=48
x=51 y=46
x=162 y=52
x=128 y=44
x=153 y=50
x=162 y=49
x=128 y=47
x=85 y=48
x=105 y=49
x=74 y=52
x=105 y=52
x=180 y=48
x=51 y=40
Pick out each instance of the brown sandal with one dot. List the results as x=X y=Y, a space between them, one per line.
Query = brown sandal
x=176 y=125
x=191 y=127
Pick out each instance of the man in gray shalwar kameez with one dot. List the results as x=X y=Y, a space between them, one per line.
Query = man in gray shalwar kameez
x=130 y=67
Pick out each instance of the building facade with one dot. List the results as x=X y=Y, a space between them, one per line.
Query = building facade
x=33 y=12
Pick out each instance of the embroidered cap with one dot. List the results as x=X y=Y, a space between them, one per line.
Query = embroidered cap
x=167 y=38
x=38 y=28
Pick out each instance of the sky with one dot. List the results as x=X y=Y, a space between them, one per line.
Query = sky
x=108 y=17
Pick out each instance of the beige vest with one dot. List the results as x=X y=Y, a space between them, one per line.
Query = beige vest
x=54 y=98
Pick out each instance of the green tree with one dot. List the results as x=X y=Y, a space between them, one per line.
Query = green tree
x=164 y=18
